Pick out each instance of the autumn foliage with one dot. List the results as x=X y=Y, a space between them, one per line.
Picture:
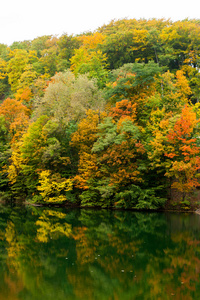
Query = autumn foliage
x=107 y=118
x=16 y=117
x=184 y=151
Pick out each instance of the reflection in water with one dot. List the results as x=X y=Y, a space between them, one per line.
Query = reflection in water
x=98 y=254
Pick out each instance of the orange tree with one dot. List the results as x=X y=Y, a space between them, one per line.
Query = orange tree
x=16 y=117
x=174 y=149
x=184 y=152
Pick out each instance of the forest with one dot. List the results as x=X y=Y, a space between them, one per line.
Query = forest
x=102 y=119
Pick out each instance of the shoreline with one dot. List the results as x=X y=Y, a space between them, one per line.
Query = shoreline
x=72 y=206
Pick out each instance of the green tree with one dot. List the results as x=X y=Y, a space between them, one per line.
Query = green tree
x=68 y=98
x=5 y=153
x=67 y=44
x=134 y=82
x=26 y=159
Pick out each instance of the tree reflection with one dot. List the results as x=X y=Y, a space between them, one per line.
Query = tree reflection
x=50 y=226
x=98 y=254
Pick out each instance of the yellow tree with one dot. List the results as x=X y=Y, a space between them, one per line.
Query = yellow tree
x=3 y=67
x=52 y=187
x=175 y=91
x=3 y=77
x=17 y=66
x=83 y=139
x=89 y=59
x=24 y=91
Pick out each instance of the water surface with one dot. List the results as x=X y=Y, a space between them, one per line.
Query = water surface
x=57 y=254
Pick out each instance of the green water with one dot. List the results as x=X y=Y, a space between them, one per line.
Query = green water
x=58 y=254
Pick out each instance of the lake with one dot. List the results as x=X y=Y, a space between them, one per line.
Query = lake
x=62 y=254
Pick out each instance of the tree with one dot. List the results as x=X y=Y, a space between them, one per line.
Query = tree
x=16 y=117
x=129 y=41
x=118 y=149
x=134 y=82
x=175 y=150
x=5 y=153
x=109 y=156
x=26 y=159
x=17 y=66
x=26 y=81
x=68 y=98
x=4 y=86
x=89 y=59
x=48 y=61
x=67 y=46
x=3 y=66
x=174 y=91
x=52 y=187
x=43 y=147
x=184 y=152
x=182 y=37
x=39 y=44
x=83 y=140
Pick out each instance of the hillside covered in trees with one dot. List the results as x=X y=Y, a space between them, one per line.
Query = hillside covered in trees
x=107 y=118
